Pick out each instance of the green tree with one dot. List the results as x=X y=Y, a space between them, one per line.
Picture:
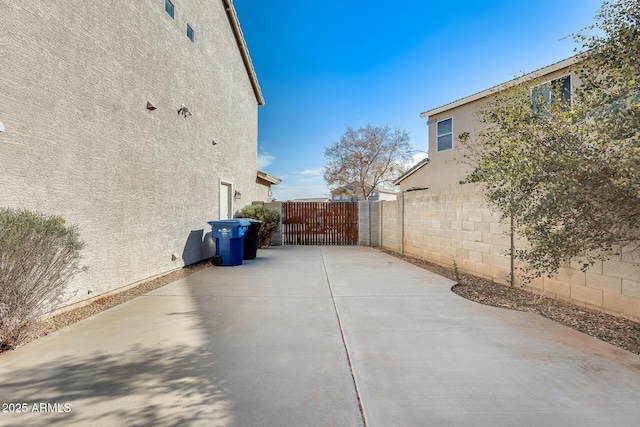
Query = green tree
x=367 y=158
x=568 y=174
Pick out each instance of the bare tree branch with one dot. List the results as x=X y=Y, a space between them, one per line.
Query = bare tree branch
x=367 y=157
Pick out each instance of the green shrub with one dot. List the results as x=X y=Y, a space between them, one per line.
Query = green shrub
x=38 y=257
x=456 y=273
x=270 y=220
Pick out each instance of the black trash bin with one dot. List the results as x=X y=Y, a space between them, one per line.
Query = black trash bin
x=251 y=239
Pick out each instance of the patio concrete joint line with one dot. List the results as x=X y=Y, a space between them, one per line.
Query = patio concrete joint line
x=344 y=343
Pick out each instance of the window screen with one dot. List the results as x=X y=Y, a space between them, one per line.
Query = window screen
x=445 y=135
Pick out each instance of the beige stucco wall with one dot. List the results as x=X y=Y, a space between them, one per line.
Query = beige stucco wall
x=263 y=190
x=387 y=196
x=416 y=179
x=262 y=193
x=447 y=168
x=75 y=78
x=456 y=223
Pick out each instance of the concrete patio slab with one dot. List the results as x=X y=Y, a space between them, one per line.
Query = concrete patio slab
x=304 y=336
x=253 y=345
x=424 y=356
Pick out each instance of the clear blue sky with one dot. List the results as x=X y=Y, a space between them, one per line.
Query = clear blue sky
x=325 y=66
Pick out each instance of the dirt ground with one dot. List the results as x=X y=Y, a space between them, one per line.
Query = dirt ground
x=615 y=330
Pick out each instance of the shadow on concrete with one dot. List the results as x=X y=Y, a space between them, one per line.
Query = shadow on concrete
x=221 y=347
x=280 y=357
x=171 y=386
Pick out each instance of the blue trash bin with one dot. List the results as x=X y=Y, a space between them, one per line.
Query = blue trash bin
x=229 y=235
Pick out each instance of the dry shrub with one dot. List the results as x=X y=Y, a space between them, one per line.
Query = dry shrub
x=39 y=255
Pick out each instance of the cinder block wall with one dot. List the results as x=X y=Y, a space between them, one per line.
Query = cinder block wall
x=456 y=223
x=390 y=224
x=445 y=225
x=75 y=79
x=368 y=223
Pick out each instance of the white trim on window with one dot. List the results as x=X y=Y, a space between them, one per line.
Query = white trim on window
x=547 y=93
x=170 y=8
x=190 y=33
x=447 y=136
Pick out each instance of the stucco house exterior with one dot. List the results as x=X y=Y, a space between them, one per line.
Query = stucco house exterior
x=438 y=219
x=443 y=168
x=353 y=193
x=264 y=181
x=135 y=120
x=409 y=180
x=383 y=195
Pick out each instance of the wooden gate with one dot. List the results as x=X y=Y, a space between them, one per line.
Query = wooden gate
x=323 y=223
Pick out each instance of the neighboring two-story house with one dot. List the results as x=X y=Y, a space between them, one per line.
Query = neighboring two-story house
x=136 y=120
x=444 y=222
x=352 y=193
x=264 y=181
x=444 y=167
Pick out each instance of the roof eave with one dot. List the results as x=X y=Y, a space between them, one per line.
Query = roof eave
x=272 y=179
x=244 y=51
x=411 y=171
x=492 y=90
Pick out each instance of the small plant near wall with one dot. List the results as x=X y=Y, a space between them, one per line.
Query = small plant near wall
x=39 y=255
x=270 y=220
x=456 y=273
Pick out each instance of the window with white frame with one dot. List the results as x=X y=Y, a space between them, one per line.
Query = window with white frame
x=553 y=91
x=190 y=34
x=169 y=8
x=444 y=131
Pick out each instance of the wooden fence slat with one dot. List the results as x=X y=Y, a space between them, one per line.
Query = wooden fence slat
x=324 y=223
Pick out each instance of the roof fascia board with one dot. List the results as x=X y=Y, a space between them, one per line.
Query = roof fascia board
x=495 y=89
x=411 y=171
x=244 y=51
x=272 y=179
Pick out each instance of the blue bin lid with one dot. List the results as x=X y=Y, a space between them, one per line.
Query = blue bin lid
x=229 y=223
x=251 y=220
x=243 y=222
